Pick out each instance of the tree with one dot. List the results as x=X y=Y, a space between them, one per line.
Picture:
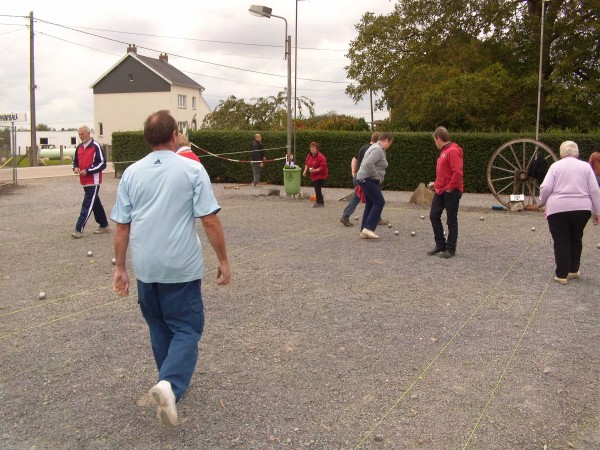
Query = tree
x=333 y=121
x=266 y=113
x=43 y=127
x=474 y=65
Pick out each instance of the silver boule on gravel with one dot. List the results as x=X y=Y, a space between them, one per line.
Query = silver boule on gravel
x=42 y=296
x=532 y=228
x=389 y=225
x=412 y=233
x=422 y=217
x=481 y=218
x=114 y=261
x=397 y=233
x=90 y=253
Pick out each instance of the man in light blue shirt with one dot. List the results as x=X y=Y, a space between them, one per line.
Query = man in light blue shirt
x=158 y=199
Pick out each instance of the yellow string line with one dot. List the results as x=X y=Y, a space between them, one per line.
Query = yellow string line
x=446 y=345
x=508 y=363
x=22 y=330
x=58 y=319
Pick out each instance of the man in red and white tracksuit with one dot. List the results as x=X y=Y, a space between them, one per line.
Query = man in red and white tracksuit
x=89 y=163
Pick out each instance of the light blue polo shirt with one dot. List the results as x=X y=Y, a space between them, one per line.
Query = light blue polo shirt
x=160 y=196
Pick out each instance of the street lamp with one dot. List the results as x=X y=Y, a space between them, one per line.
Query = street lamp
x=539 y=96
x=264 y=11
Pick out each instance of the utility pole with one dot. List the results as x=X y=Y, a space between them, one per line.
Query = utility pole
x=371 y=100
x=34 y=149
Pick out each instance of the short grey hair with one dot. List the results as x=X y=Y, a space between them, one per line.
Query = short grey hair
x=84 y=127
x=569 y=148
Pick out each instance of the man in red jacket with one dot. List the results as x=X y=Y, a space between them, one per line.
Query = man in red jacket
x=89 y=163
x=448 y=187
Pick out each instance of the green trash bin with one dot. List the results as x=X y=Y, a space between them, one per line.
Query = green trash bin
x=291 y=180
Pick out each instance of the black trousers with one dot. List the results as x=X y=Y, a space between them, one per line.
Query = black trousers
x=318 y=184
x=448 y=201
x=566 y=229
x=91 y=204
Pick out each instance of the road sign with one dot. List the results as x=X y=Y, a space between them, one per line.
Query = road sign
x=13 y=117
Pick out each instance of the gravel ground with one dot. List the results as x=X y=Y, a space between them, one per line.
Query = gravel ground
x=321 y=341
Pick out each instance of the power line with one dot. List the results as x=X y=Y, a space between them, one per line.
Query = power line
x=186 y=57
x=203 y=40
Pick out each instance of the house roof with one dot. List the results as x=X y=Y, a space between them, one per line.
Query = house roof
x=163 y=69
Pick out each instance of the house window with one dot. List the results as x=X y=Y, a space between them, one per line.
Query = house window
x=73 y=140
x=182 y=126
x=101 y=128
x=193 y=102
x=181 y=101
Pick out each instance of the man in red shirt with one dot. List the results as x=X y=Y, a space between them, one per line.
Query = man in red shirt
x=448 y=187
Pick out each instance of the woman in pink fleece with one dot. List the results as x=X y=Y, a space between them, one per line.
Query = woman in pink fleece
x=571 y=195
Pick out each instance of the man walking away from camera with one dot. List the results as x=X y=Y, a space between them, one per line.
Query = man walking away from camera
x=158 y=200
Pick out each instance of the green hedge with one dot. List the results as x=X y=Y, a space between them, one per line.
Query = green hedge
x=412 y=156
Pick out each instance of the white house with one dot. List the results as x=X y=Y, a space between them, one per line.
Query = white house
x=46 y=139
x=137 y=86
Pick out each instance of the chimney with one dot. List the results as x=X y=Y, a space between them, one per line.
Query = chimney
x=163 y=57
x=131 y=48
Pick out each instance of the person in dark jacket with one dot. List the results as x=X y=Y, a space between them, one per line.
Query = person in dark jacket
x=258 y=158
x=89 y=163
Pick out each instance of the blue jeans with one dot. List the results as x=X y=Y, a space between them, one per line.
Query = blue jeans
x=175 y=317
x=353 y=203
x=91 y=203
x=448 y=201
x=255 y=173
x=374 y=203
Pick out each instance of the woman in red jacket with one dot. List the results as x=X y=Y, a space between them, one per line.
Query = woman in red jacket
x=316 y=164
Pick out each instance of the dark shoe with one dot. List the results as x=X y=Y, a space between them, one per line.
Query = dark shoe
x=346 y=222
x=446 y=254
x=383 y=223
x=435 y=251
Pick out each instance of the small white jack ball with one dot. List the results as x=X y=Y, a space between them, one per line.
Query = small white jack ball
x=114 y=261
x=532 y=228
x=355 y=217
x=90 y=253
x=412 y=233
x=422 y=217
x=389 y=225
x=481 y=218
x=42 y=296
x=397 y=233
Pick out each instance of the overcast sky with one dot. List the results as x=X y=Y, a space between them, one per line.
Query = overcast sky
x=200 y=37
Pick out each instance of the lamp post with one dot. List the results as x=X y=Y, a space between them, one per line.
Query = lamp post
x=264 y=11
x=539 y=96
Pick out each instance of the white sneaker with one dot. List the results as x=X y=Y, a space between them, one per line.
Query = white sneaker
x=572 y=275
x=164 y=398
x=368 y=234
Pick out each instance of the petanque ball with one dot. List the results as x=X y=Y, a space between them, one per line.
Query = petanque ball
x=389 y=225
x=42 y=296
x=355 y=217
x=90 y=254
x=397 y=233
x=481 y=218
x=412 y=233
x=422 y=217
x=598 y=246
x=532 y=228
x=114 y=261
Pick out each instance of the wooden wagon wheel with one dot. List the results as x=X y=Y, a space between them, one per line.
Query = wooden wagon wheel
x=509 y=170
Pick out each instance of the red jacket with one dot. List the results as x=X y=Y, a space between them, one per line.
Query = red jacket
x=90 y=159
x=317 y=162
x=449 y=169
